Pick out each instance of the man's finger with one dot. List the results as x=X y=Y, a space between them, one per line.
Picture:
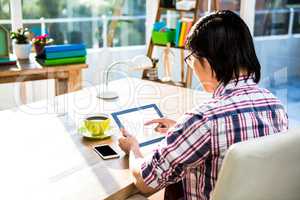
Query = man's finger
x=161 y=130
x=124 y=132
x=121 y=139
x=154 y=121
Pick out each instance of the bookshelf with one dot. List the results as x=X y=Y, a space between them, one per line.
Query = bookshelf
x=177 y=10
x=185 y=74
x=172 y=46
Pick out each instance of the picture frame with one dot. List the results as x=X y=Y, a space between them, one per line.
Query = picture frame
x=4 y=42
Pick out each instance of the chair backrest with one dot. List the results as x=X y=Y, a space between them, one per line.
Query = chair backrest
x=266 y=168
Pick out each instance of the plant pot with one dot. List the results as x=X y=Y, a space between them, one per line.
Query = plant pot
x=163 y=38
x=22 y=51
x=39 y=49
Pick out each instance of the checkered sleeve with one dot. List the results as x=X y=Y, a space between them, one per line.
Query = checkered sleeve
x=187 y=144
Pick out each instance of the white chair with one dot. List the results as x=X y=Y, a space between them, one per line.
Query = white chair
x=266 y=168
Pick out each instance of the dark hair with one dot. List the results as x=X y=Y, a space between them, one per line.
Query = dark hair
x=224 y=39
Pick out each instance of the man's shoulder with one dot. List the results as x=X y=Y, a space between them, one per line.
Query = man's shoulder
x=219 y=106
x=209 y=107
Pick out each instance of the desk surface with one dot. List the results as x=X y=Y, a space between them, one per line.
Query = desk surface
x=43 y=156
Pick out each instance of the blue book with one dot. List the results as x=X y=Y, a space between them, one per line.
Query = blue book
x=65 y=54
x=177 y=33
x=64 y=47
x=7 y=59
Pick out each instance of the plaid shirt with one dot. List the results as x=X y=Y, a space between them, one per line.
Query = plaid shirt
x=195 y=147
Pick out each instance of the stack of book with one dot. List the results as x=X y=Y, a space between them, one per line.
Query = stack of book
x=183 y=27
x=63 y=54
x=7 y=61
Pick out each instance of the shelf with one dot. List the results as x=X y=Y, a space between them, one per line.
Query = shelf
x=177 y=10
x=173 y=83
x=172 y=46
x=193 y=14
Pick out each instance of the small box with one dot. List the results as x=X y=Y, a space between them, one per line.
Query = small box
x=163 y=38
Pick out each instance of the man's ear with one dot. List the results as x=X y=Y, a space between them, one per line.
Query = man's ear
x=204 y=62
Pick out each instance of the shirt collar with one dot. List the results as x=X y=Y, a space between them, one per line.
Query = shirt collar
x=242 y=82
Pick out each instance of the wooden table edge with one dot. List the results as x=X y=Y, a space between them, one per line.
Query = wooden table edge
x=43 y=70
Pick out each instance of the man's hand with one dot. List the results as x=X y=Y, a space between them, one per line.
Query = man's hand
x=163 y=124
x=127 y=142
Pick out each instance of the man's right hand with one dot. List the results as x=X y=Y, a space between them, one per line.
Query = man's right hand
x=163 y=124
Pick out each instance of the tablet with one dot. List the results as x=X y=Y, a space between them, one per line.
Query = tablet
x=133 y=121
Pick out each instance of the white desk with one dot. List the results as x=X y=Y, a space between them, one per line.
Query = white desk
x=43 y=156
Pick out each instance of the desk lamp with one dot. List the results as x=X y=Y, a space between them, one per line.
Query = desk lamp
x=140 y=62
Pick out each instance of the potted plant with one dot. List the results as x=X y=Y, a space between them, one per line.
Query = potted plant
x=22 y=45
x=40 y=42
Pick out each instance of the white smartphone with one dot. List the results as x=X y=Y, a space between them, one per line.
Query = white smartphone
x=106 y=152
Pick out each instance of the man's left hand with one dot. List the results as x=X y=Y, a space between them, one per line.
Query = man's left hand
x=127 y=142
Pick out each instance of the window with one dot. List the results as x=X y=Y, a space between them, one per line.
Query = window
x=5 y=14
x=4 y=9
x=233 y=5
x=274 y=17
x=276 y=23
x=295 y=9
x=296 y=20
x=88 y=21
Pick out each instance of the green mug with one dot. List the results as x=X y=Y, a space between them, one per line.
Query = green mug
x=97 y=125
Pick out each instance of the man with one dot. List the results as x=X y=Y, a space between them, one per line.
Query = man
x=223 y=58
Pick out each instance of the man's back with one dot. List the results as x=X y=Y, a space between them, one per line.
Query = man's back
x=197 y=144
x=236 y=114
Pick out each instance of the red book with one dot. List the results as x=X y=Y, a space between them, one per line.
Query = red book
x=7 y=61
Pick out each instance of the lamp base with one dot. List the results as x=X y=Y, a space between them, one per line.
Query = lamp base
x=108 y=95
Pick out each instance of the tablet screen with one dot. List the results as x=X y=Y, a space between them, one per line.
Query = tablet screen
x=133 y=121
